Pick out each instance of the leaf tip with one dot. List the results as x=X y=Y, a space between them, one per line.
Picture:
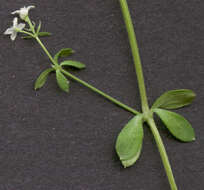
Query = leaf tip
x=124 y=165
x=36 y=87
x=128 y=163
x=67 y=90
x=194 y=94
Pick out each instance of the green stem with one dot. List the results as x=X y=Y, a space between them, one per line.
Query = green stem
x=163 y=153
x=45 y=50
x=101 y=93
x=142 y=89
x=135 y=53
x=83 y=82
x=24 y=32
x=27 y=19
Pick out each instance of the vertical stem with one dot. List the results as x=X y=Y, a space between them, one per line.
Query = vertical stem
x=163 y=154
x=27 y=19
x=145 y=106
x=135 y=53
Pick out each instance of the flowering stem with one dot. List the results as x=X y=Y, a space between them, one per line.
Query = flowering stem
x=45 y=50
x=145 y=107
x=27 y=19
x=35 y=35
x=74 y=77
x=101 y=93
x=24 y=32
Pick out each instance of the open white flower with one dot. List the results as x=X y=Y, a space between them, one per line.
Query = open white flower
x=12 y=31
x=23 y=12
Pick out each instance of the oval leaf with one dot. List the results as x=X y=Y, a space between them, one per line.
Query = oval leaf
x=174 y=99
x=42 y=78
x=62 y=81
x=26 y=37
x=74 y=64
x=63 y=53
x=43 y=34
x=177 y=125
x=129 y=141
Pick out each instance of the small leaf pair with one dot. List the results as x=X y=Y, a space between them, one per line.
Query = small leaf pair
x=38 y=33
x=65 y=53
x=129 y=141
x=62 y=81
x=178 y=126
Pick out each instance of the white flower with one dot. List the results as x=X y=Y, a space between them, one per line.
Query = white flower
x=23 y=12
x=14 y=29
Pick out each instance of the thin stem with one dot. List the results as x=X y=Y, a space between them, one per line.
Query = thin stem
x=163 y=153
x=27 y=19
x=45 y=50
x=86 y=84
x=100 y=92
x=135 y=53
x=24 y=32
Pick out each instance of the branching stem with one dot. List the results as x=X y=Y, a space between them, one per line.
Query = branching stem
x=101 y=93
x=115 y=101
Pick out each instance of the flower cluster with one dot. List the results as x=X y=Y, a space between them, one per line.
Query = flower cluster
x=23 y=14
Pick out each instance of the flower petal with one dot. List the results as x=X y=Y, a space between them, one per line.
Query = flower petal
x=9 y=31
x=20 y=26
x=15 y=12
x=13 y=35
x=30 y=7
x=15 y=22
x=24 y=9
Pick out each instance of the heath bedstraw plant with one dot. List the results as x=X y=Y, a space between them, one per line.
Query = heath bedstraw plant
x=129 y=141
x=60 y=69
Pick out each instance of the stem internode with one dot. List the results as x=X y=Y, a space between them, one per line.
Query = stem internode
x=145 y=107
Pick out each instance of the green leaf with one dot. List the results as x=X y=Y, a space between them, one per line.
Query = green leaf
x=74 y=64
x=26 y=37
x=40 y=34
x=130 y=162
x=42 y=78
x=62 y=81
x=177 y=125
x=129 y=141
x=43 y=34
x=39 y=27
x=63 y=53
x=174 y=99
